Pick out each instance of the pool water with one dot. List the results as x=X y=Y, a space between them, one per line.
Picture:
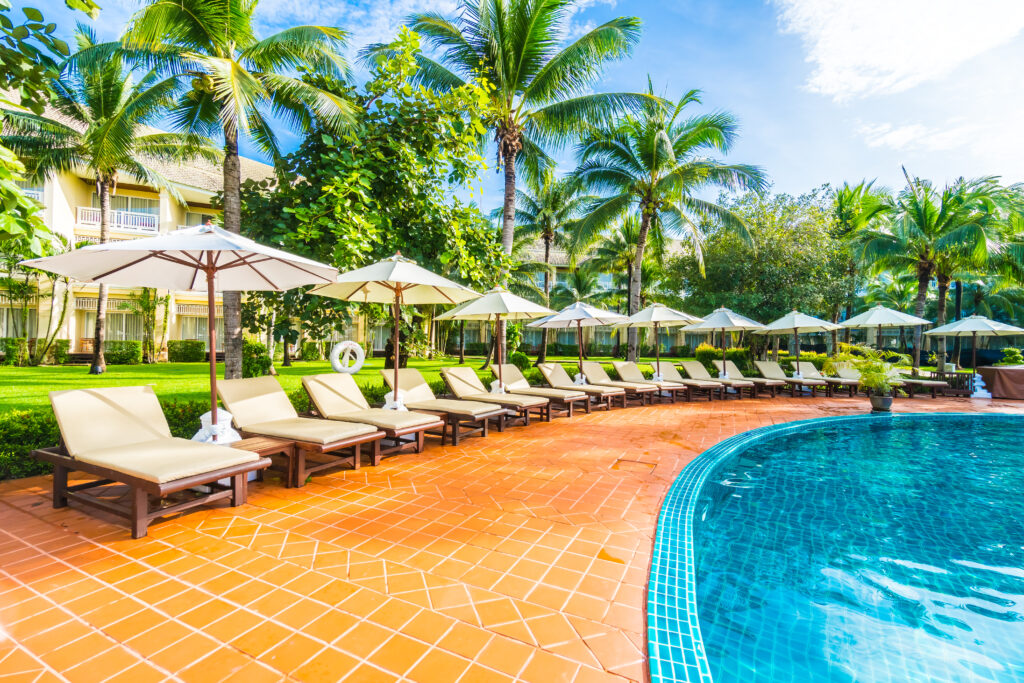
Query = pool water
x=868 y=549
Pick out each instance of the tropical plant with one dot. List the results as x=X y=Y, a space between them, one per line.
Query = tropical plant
x=101 y=121
x=235 y=83
x=615 y=250
x=581 y=283
x=877 y=368
x=933 y=234
x=655 y=164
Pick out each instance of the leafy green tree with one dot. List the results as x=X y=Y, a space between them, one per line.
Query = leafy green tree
x=854 y=208
x=235 y=81
x=101 y=120
x=655 y=164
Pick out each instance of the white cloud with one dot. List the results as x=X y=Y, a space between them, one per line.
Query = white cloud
x=916 y=136
x=871 y=47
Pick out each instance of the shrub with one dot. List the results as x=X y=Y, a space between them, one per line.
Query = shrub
x=708 y=354
x=1011 y=356
x=683 y=351
x=183 y=416
x=533 y=376
x=741 y=357
x=375 y=392
x=255 y=361
x=300 y=399
x=520 y=360
x=60 y=352
x=15 y=350
x=186 y=351
x=21 y=432
x=312 y=350
x=817 y=359
x=123 y=352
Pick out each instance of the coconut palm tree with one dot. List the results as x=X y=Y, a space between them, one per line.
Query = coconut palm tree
x=855 y=207
x=548 y=213
x=934 y=234
x=235 y=83
x=655 y=164
x=101 y=120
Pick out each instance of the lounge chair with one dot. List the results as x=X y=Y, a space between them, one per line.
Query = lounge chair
x=770 y=385
x=808 y=371
x=120 y=435
x=711 y=389
x=461 y=418
x=911 y=383
x=466 y=385
x=556 y=376
x=260 y=407
x=696 y=370
x=629 y=372
x=336 y=396
x=772 y=370
x=849 y=373
x=595 y=374
x=562 y=400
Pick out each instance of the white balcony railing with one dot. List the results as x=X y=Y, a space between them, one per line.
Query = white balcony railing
x=33 y=193
x=124 y=221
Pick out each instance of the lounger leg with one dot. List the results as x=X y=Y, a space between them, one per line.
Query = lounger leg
x=487 y=423
x=526 y=417
x=420 y=435
x=60 y=486
x=239 y=489
x=140 y=513
x=300 y=468
x=357 y=456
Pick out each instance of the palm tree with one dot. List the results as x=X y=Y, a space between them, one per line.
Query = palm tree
x=101 y=121
x=897 y=292
x=655 y=164
x=855 y=207
x=236 y=81
x=615 y=250
x=581 y=283
x=933 y=234
x=548 y=215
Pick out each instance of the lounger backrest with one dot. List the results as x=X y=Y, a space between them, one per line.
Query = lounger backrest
x=628 y=371
x=97 y=419
x=555 y=374
x=671 y=373
x=463 y=381
x=410 y=383
x=695 y=369
x=848 y=373
x=254 y=400
x=511 y=376
x=335 y=393
x=595 y=373
x=770 y=369
x=808 y=370
x=734 y=372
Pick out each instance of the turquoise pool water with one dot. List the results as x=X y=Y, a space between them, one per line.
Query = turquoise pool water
x=846 y=549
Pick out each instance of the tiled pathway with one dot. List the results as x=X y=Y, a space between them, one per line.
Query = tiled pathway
x=520 y=556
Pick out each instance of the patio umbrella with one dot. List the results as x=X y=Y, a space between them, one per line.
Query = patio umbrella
x=798 y=323
x=724 y=320
x=975 y=326
x=880 y=316
x=659 y=315
x=497 y=304
x=192 y=258
x=395 y=281
x=579 y=315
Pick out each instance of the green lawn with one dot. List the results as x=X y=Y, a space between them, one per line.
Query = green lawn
x=28 y=387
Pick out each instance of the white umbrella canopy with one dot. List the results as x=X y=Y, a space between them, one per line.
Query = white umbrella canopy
x=396 y=281
x=656 y=316
x=797 y=323
x=725 y=320
x=879 y=316
x=496 y=304
x=579 y=315
x=204 y=257
x=975 y=326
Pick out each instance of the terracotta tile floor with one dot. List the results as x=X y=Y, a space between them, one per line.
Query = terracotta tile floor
x=520 y=556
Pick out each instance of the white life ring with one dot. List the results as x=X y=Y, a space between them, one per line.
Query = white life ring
x=347 y=357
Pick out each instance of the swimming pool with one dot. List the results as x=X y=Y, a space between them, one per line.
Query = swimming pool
x=870 y=548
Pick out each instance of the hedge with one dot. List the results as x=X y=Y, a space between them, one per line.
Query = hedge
x=15 y=350
x=312 y=350
x=60 y=352
x=122 y=352
x=255 y=360
x=186 y=351
x=818 y=359
x=707 y=354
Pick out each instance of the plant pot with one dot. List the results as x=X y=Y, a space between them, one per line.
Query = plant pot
x=881 y=404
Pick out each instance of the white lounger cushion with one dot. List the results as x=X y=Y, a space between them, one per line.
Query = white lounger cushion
x=170 y=459
x=516 y=383
x=310 y=429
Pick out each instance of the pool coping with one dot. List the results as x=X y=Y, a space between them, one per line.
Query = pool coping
x=675 y=647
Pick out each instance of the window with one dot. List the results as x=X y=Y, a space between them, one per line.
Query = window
x=196 y=327
x=120 y=326
x=605 y=281
x=380 y=337
x=133 y=204
x=566 y=336
x=193 y=218
x=604 y=337
x=12 y=324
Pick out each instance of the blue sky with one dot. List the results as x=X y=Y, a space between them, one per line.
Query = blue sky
x=825 y=90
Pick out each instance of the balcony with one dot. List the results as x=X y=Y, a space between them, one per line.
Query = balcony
x=33 y=193
x=122 y=221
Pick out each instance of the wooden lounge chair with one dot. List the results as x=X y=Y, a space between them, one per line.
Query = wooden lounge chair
x=260 y=407
x=466 y=385
x=710 y=389
x=556 y=376
x=461 y=418
x=595 y=374
x=772 y=370
x=762 y=384
x=917 y=383
x=337 y=397
x=629 y=372
x=808 y=371
x=696 y=370
x=562 y=400
x=120 y=435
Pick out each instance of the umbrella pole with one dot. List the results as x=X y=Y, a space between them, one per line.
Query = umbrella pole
x=796 y=343
x=211 y=328
x=974 y=351
x=657 y=351
x=579 y=342
x=879 y=342
x=394 y=343
x=497 y=326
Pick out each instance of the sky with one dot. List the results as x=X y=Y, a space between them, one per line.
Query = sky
x=824 y=90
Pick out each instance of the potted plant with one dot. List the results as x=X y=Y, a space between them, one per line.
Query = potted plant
x=876 y=368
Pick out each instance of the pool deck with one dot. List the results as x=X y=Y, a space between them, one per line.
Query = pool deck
x=522 y=556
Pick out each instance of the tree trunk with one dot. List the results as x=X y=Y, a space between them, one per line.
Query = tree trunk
x=286 y=360
x=940 y=318
x=99 y=362
x=924 y=276
x=634 y=281
x=232 y=301
x=542 y=356
x=462 y=342
x=958 y=312
x=508 y=223
x=847 y=331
